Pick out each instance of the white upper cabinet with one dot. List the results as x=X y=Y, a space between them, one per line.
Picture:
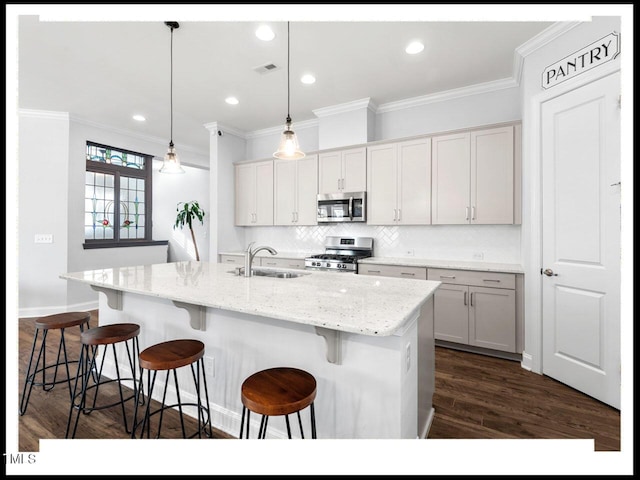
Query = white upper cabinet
x=254 y=193
x=295 y=191
x=473 y=177
x=399 y=183
x=342 y=171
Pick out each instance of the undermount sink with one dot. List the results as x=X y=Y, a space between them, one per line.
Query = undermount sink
x=258 y=272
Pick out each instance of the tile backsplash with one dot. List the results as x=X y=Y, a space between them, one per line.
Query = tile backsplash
x=491 y=243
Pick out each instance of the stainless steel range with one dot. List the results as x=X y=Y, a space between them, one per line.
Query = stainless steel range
x=341 y=254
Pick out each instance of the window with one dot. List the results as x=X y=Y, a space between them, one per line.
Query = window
x=117 y=199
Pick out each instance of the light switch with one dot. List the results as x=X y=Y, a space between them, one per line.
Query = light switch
x=43 y=238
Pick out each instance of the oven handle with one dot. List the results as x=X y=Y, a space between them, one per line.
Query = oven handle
x=350 y=208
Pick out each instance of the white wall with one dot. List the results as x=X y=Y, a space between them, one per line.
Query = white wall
x=569 y=42
x=43 y=148
x=51 y=160
x=497 y=106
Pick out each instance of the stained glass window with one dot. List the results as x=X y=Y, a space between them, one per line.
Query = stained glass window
x=117 y=196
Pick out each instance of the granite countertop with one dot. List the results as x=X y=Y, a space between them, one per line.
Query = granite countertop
x=346 y=302
x=455 y=264
x=264 y=253
x=410 y=262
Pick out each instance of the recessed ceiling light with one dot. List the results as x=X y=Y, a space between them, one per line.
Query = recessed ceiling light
x=414 y=47
x=308 y=79
x=231 y=100
x=265 y=33
x=139 y=118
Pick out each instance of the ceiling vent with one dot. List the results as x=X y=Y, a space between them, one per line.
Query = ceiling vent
x=269 y=67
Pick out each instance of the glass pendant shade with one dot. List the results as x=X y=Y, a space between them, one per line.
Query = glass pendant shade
x=171 y=161
x=289 y=147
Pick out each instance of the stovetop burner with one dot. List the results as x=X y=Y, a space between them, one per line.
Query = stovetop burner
x=342 y=254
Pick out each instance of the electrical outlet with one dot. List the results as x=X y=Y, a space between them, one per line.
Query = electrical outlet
x=408 y=356
x=43 y=238
x=208 y=366
x=410 y=252
x=478 y=256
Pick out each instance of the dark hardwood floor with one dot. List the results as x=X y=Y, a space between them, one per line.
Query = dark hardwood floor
x=476 y=397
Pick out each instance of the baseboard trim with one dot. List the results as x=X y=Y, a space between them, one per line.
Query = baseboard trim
x=425 y=432
x=516 y=357
x=52 y=310
x=527 y=361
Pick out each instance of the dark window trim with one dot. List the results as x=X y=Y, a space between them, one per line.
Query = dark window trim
x=130 y=243
x=147 y=174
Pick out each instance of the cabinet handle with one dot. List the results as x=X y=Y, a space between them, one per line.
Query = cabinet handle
x=338 y=184
x=399 y=214
x=373 y=271
x=271 y=263
x=408 y=273
x=395 y=214
x=230 y=260
x=473 y=213
x=466 y=213
x=465 y=298
x=471 y=299
x=448 y=276
x=490 y=280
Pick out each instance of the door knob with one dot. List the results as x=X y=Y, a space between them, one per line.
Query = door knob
x=548 y=272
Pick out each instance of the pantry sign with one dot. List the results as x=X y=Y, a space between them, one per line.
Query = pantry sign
x=591 y=56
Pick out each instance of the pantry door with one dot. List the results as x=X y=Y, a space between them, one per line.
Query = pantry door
x=581 y=238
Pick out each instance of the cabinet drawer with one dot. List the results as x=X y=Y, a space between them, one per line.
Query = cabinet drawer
x=472 y=277
x=232 y=259
x=419 y=273
x=282 y=262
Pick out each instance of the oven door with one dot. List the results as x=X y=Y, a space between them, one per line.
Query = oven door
x=342 y=207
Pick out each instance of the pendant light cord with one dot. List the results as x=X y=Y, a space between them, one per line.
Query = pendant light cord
x=171 y=86
x=288 y=77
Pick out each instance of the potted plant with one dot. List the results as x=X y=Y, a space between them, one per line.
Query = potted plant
x=186 y=214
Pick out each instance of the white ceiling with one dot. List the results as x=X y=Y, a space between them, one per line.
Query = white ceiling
x=106 y=71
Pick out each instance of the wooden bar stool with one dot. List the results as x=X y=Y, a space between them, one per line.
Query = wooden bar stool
x=60 y=321
x=278 y=391
x=169 y=356
x=89 y=378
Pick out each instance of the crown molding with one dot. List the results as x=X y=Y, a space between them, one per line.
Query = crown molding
x=278 y=130
x=448 y=95
x=46 y=114
x=346 y=107
x=214 y=127
x=539 y=41
x=129 y=133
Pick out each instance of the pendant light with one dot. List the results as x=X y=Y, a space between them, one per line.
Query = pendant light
x=289 y=147
x=171 y=160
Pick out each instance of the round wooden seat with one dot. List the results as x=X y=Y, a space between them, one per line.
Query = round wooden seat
x=63 y=320
x=169 y=356
x=172 y=354
x=91 y=383
x=37 y=360
x=278 y=391
x=108 y=334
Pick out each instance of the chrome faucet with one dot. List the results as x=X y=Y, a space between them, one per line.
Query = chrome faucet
x=249 y=254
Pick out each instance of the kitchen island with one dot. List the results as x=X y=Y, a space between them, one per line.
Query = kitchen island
x=367 y=341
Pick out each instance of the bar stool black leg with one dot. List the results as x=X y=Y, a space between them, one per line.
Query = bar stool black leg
x=29 y=376
x=313 y=421
x=244 y=409
x=286 y=418
x=300 y=423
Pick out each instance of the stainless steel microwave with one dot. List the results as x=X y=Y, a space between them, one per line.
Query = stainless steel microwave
x=342 y=207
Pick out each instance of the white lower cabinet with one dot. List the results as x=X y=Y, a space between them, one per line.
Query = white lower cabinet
x=469 y=313
x=397 y=271
x=280 y=262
